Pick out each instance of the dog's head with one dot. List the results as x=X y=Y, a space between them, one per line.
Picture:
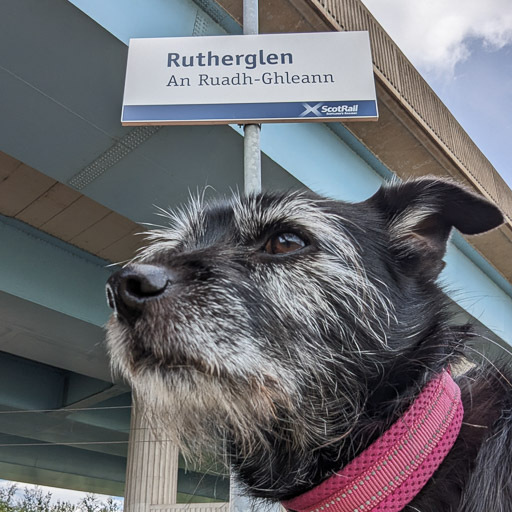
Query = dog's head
x=282 y=323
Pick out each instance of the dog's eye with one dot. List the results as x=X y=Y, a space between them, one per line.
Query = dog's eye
x=284 y=243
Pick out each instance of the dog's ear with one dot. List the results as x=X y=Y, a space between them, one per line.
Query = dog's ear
x=420 y=214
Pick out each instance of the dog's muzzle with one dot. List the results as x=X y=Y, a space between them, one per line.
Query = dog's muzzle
x=130 y=290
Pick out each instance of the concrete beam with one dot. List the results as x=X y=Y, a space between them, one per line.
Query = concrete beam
x=42 y=269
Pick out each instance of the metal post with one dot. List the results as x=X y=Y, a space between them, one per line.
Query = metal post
x=252 y=153
x=252 y=184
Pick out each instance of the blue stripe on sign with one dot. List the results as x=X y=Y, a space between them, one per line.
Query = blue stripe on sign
x=249 y=111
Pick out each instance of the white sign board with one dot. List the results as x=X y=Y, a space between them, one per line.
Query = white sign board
x=320 y=76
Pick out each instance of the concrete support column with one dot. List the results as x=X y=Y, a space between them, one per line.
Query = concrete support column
x=152 y=472
x=152 y=467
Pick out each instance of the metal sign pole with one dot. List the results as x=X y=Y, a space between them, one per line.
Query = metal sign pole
x=252 y=153
x=252 y=185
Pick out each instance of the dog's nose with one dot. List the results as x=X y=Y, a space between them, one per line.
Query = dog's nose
x=130 y=289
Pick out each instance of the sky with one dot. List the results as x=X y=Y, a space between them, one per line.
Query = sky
x=463 y=49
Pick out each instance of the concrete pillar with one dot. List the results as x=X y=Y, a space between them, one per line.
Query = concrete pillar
x=152 y=467
x=152 y=472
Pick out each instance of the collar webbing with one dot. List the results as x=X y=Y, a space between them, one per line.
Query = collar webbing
x=392 y=471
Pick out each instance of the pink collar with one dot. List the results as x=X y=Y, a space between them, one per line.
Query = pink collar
x=393 y=470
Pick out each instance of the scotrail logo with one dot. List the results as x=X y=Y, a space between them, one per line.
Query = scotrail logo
x=311 y=109
x=321 y=110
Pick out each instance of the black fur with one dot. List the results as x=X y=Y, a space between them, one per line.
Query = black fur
x=379 y=362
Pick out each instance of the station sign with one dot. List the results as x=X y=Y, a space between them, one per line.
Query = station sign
x=320 y=76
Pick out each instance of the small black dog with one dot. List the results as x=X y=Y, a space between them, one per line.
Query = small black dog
x=293 y=331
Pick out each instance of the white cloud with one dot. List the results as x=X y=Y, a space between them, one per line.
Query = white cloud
x=435 y=34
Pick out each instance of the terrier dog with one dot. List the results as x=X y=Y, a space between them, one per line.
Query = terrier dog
x=308 y=340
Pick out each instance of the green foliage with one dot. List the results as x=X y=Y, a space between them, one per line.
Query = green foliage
x=91 y=504
x=7 y=498
x=36 y=500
